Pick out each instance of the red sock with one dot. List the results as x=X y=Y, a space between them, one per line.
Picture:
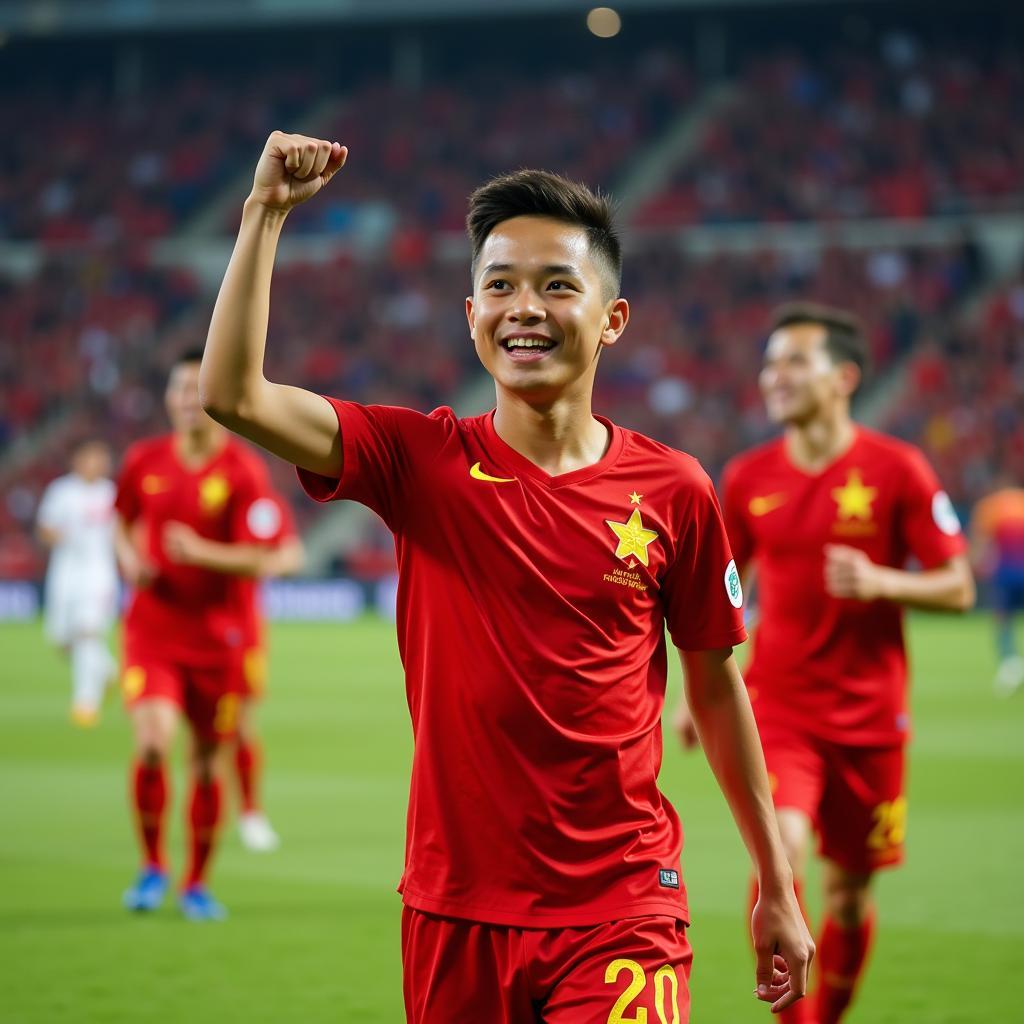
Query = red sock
x=203 y=817
x=842 y=953
x=149 y=797
x=248 y=762
x=799 y=1012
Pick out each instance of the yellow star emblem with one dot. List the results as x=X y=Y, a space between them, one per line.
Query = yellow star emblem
x=635 y=498
x=854 y=499
x=633 y=537
x=213 y=493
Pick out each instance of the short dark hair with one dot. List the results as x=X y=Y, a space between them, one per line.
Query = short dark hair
x=845 y=339
x=531 y=193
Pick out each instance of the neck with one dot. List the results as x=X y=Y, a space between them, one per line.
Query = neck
x=558 y=437
x=821 y=440
x=197 y=446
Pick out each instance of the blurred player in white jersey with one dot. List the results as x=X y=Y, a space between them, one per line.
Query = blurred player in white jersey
x=75 y=520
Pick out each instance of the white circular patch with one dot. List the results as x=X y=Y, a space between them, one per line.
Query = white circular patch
x=263 y=518
x=733 y=587
x=944 y=514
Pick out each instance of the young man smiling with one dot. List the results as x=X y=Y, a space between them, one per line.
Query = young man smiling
x=541 y=552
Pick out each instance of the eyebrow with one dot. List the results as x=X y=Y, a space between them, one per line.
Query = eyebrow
x=551 y=268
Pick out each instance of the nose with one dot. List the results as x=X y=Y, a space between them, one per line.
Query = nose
x=526 y=307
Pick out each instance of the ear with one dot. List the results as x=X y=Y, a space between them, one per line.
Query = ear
x=616 y=318
x=471 y=316
x=849 y=378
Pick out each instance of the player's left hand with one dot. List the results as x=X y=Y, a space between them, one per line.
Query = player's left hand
x=181 y=543
x=784 y=950
x=849 y=573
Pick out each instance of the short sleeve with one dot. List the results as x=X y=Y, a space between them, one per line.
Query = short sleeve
x=265 y=519
x=255 y=516
x=928 y=524
x=702 y=592
x=127 y=499
x=737 y=526
x=383 y=448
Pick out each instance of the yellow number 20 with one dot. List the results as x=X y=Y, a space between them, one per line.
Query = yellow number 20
x=890 y=827
x=665 y=977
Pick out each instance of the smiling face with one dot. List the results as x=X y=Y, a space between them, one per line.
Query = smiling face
x=542 y=308
x=800 y=380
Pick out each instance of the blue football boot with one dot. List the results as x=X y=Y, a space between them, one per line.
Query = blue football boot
x=197 y=904
x=148 y=891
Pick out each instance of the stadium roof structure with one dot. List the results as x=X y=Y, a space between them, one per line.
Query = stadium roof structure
x=60 y=17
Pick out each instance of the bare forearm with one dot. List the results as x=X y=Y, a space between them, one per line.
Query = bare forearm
x=294 y=424
x=230 y=559
x=950 y=588
x=721 y=712
x=287 y=559
x=232 y=370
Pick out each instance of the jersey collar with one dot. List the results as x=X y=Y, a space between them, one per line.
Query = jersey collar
x=506 y=456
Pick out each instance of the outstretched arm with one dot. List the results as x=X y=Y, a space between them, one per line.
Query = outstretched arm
x=721 y=712
x=295 y=424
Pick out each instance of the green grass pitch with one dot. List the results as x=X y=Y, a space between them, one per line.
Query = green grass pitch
x=314 y=929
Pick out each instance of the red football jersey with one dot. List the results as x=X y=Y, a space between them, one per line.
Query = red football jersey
x=190 y=614
x=836 y=666
x=531 y=624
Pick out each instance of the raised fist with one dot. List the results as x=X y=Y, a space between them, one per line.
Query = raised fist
x=293 y=168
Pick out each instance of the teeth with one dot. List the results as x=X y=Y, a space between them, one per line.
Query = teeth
x=528 y=343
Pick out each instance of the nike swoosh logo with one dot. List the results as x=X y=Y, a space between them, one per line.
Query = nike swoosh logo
x=478 y=474
x=768 y=503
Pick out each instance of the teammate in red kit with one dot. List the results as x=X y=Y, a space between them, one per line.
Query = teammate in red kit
x=284 y=557
x=828 y=515
x=188 y=532
x=541 y=552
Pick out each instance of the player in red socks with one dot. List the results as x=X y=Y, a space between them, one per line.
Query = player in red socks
x=828 y=515
x=189 y=531
x=542 y=551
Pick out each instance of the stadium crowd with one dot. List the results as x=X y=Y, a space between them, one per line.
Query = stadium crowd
x=907 y=133
x=87 y=336
x=134 y=163
x=962 y=401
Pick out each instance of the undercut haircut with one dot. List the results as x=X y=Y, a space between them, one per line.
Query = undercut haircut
x=531 y=193
x=845 y=339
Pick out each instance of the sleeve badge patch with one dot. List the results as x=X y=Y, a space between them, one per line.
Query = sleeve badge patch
x=944 y=514
x=733 y=587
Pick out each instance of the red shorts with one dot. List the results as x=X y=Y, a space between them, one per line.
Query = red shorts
x=853 y=795
x=464 y=972
x=208 y=697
